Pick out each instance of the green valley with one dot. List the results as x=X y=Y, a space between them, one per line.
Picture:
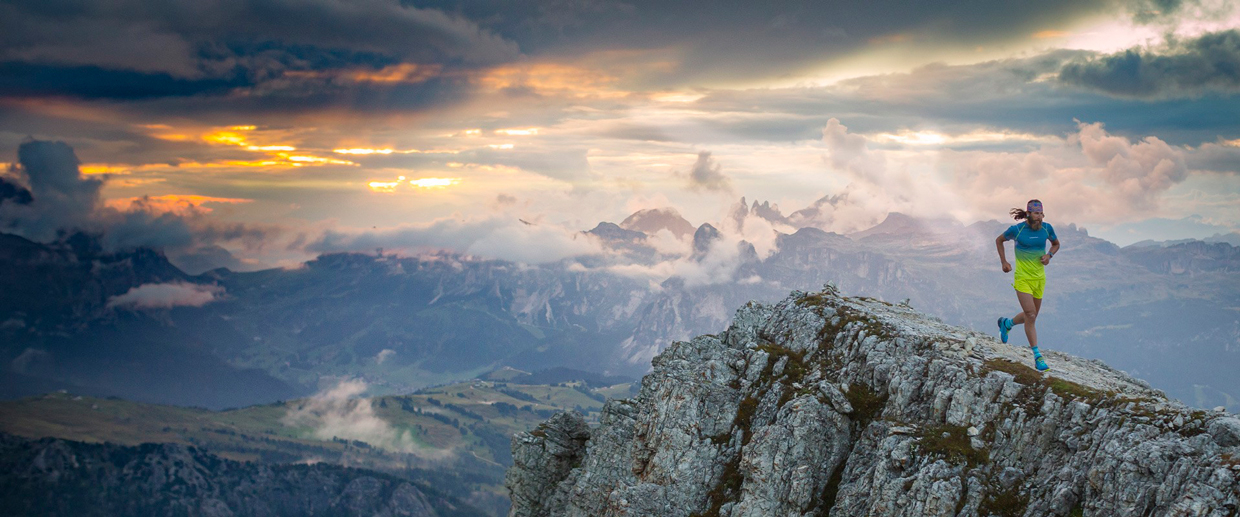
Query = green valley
x=454 y=438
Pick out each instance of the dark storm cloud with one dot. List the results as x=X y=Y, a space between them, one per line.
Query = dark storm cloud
x=91 y=82
x=739 y=39
x=144 y=226
x=211 y=45
x=202 y=37
x=1210 y=63
x=1216 y=158
x=60 y=201
x=1007 y=94
x=13 y=193
x=60 y=197
x=300 y=53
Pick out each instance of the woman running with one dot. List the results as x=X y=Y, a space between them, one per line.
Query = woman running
x=1031 y=258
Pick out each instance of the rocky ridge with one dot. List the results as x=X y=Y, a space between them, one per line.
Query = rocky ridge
x=824 y=404
x=63 y=477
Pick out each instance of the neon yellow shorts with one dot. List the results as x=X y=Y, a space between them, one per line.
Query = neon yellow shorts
x=1033 y=286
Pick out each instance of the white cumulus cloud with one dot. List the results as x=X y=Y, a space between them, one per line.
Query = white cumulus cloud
x=339 y=412
x=167 y=295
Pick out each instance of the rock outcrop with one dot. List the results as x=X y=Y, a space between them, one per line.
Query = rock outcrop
x=829 y=405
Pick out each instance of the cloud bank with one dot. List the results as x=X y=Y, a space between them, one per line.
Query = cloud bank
x=1090 y=175
x=339 y=412
x=52 y=198
x=167 y=296
x=496 y=237
x=1191 y=68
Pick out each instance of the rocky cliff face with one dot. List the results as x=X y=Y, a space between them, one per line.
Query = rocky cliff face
x=823 y=404
x=62 y=477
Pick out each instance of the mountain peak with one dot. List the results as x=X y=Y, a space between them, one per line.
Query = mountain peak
x=764 y=210
x=703 y=238
x=651 y=220
x=854 y=406
x=611 y=231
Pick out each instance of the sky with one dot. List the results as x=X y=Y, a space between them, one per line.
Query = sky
x=261 y=133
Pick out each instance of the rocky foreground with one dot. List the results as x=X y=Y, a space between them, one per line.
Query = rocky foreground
x=825 y=404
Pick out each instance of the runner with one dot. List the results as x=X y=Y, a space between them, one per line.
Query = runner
x=1031 y=259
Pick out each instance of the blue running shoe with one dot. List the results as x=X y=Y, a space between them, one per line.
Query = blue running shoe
x=1004 y=326
x=1040 y=364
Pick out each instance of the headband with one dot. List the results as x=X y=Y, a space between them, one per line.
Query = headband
x=1034 y=205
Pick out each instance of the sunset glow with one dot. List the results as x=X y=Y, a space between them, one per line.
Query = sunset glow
x=573 y=80
x=434 y=182
x=593 y=113
x=225 y=137
x=383 y=186
x=523 y=132
x=102 y=168
x=363 y=151
x=172 y=203
x=935 y=138
x=401 y=73
x=1047 y=34
x=422 y=183
x=318 y=160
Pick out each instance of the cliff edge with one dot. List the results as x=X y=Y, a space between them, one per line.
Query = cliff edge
x=830 y=405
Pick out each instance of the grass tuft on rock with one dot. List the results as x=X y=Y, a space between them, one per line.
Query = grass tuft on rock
x=1024 y=374
x=794 y=369
x=951 y=442
x=1029 y=377
x=1069 y=389
x=1004 y=502
x=867 y=404
x=813 y=300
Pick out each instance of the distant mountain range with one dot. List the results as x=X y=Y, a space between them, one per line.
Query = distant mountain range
x=80 y=316
x=1232 y=238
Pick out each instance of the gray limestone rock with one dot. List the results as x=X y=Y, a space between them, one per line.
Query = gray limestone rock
x=852 y=406
x=1226 y=431
x=542 y=458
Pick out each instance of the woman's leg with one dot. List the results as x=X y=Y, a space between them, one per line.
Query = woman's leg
x=1030 y=332
x=1029 y=313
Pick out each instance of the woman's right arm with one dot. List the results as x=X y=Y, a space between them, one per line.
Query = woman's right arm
x=1002 y=259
